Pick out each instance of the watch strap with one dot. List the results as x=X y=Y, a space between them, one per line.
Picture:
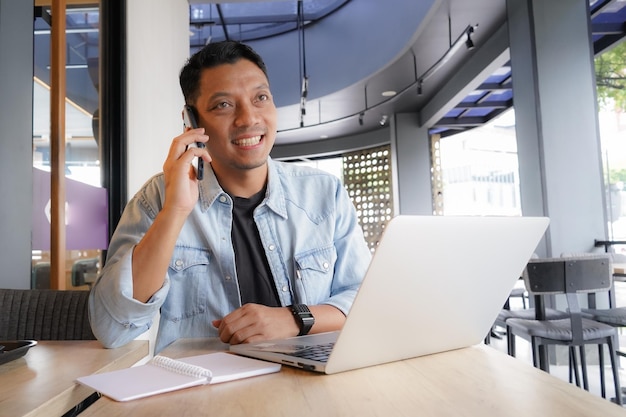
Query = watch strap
x=304 y=318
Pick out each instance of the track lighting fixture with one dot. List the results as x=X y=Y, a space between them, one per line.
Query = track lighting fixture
x=464 y=38
x=469 y=43
x=302 y=55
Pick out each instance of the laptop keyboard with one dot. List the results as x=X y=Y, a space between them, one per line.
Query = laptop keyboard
x=315 y=353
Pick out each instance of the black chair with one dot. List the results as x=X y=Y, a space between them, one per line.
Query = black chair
x=613 y=315
x=47 y=315
x=569 y=276
x=40 y=276
x=44 y=315
x=526 y=314
x=81 y=268
x=521 y=293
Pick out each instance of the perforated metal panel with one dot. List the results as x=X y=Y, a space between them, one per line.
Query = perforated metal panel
x=436 y=178
x=367 y=177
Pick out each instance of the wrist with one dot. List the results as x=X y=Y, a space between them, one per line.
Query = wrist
x=175 y=216
x=303 y=317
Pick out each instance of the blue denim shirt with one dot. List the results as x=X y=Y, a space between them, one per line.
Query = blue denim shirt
x=310 y=235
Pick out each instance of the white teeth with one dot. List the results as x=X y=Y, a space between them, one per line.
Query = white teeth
x=248 y=141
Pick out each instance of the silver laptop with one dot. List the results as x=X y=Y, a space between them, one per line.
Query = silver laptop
x=435 y=283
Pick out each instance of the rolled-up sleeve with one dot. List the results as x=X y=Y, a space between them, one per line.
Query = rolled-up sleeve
x=115 y=316
x=353 y=255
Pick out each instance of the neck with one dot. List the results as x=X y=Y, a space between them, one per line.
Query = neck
x=243 y=183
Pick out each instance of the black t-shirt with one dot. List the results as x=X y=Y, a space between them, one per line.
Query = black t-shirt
x=256 y=284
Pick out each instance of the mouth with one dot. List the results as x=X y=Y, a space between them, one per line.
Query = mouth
x=249 y=141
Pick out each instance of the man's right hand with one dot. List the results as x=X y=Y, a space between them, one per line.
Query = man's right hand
x=181 y=185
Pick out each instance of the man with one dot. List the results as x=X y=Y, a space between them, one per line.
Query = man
x=248 y=253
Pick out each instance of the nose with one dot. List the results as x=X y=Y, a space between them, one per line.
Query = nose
x=246 y=115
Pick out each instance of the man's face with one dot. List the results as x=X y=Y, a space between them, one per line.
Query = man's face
x=236 y=109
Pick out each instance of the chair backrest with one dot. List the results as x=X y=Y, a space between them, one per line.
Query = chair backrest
x=572 y=274
x=44 y=315
x=40 y=276
x=82 y=267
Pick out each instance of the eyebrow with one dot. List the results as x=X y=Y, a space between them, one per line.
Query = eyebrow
x=220 y=94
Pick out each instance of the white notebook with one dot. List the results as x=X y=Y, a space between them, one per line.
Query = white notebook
x=162 y=374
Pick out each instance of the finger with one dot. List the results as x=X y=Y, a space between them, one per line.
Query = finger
x=194 y=136
x=180 y=155
x=181 y=143
x=230 y=328
x=242 y=335
x=194 y=151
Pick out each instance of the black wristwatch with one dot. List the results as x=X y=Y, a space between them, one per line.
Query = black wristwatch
x=303 y=317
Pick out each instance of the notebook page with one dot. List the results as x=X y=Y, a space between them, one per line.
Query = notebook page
x=140 y=381
x=228 y=367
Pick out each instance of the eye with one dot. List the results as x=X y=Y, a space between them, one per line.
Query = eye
x=263 y=97
x=222 y=105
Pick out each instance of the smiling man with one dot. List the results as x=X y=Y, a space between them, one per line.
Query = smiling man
x=256 y=250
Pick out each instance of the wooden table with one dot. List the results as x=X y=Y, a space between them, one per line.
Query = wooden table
x=476 y=381
x=41 y=383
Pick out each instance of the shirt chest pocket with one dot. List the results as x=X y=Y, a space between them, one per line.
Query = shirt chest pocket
x=185 y=258
x=190 y=274
x=314 y=274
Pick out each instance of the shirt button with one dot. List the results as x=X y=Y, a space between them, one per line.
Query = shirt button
x=271 y=247
x=325 y=265
x=228 y=277
x=222 y=199
x=285 y=288
x=179 y=264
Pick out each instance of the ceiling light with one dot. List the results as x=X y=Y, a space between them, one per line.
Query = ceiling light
x=383 y=120
x=389 y=93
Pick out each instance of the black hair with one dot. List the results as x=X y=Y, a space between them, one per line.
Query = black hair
x=212 y=55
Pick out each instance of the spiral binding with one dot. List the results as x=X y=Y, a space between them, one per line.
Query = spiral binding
x=182 y=367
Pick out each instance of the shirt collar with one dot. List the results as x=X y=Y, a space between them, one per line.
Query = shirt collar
x=210 y=189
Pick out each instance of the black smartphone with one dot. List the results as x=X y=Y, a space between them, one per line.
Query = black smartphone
x=190 y=121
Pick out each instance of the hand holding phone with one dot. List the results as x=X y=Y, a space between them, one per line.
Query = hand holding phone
x=190 y=121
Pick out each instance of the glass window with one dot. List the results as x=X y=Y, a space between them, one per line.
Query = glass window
x=86 y=200
x=610 y=68
x=479 y=170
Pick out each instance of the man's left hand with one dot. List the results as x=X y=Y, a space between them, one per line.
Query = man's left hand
x=256 y=322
